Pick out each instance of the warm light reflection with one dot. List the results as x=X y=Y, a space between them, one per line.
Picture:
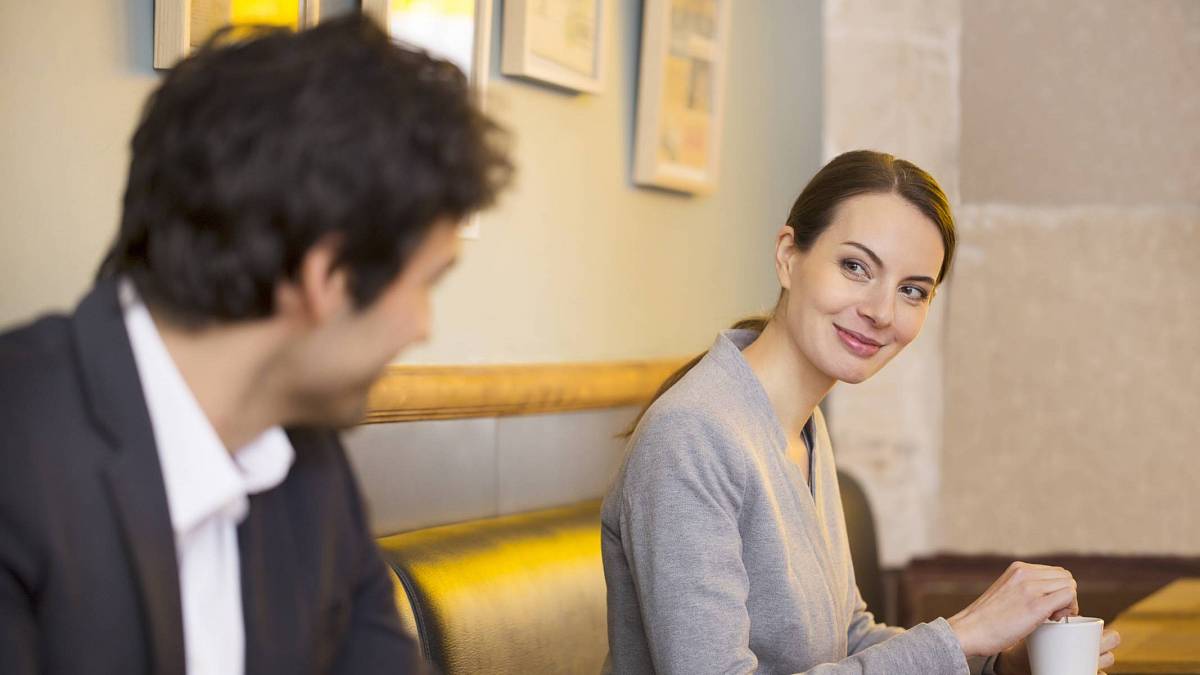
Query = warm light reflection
x=270 y=12
x=208 y=16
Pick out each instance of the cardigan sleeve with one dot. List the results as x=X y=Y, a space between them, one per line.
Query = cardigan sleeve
x=864 y=631
x=679 y=521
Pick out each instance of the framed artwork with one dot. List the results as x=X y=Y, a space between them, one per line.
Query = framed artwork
x=456 y=30
x=681 y=94
x=560 y=42
x=182 y=25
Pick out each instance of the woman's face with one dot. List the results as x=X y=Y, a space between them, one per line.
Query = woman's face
x=861 y=293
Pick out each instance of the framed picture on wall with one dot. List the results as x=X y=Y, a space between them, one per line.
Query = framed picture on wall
x=560 y=42
x=182 y=25
x=456 y=30
x=681 y=94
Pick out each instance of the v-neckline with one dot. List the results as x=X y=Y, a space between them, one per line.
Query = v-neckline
x=736 y=340
x=806 y=437
x=727 y=350
x=806 y=472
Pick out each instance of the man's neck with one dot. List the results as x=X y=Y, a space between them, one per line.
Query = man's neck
x=233 y=372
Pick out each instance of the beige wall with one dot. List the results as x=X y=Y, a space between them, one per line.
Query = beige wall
x=72 y=77
x=575 y=264
x=1081 y=102
x=578 y=264
x=1073 y=382
x=1073 y=341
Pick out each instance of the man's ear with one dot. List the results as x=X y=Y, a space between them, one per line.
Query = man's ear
x=786 y=255
x=320 y=289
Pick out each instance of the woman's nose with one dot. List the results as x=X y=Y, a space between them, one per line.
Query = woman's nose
x=878 y=307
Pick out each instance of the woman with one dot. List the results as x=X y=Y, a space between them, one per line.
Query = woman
x=724 y=543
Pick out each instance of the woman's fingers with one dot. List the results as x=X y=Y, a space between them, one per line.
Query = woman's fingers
x=1042 y=589
x=1062 y=599
x=1020 y=570
x=1071 y=609
x=1040 y=572
x=1047 y=586
x=1109 y=640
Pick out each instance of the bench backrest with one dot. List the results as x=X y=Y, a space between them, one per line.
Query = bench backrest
x=514 y=594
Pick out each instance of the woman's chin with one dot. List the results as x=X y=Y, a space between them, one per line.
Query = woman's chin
x=854 y=378
x=853 y=374
x=853 y=369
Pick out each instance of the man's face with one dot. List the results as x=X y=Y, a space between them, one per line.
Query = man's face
x=348 y=352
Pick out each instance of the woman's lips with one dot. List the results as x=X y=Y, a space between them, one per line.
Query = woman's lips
x=858 y=345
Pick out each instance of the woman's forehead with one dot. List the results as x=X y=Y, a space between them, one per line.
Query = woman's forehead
x=890 y=226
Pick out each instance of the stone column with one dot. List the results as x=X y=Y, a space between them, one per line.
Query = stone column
x=1073 y=377
x=891 y=84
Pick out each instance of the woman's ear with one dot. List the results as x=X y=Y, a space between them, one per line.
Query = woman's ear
x=320 y=289
x=786 y=255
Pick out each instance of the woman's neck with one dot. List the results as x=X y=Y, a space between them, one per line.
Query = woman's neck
x=794 y=386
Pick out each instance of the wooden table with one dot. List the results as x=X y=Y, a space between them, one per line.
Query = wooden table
x=1161 y=633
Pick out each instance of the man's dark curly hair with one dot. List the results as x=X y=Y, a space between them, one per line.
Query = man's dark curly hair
x=254 y=148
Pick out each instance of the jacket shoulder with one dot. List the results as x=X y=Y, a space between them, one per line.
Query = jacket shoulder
x=37 y=370
x=31 y=344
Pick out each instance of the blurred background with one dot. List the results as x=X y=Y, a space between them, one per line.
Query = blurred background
x=1052 y=405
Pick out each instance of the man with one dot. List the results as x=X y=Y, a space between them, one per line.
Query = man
x=172 y=499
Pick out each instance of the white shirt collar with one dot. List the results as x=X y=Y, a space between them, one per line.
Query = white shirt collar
x=202 y=478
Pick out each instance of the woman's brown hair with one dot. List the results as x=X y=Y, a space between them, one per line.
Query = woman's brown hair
x=848 y=175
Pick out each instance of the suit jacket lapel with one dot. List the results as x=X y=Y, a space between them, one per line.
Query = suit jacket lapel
x=111 y=385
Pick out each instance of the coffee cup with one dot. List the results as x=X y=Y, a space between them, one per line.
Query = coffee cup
x=1069 y=647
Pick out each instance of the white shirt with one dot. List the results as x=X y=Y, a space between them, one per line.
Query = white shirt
x=207 y=494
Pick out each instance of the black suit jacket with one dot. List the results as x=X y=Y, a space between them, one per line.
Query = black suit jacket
x=88 y=576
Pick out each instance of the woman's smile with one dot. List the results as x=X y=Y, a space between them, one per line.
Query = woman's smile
x=857 y=343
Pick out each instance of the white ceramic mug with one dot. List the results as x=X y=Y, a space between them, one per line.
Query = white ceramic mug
x=1070 y=648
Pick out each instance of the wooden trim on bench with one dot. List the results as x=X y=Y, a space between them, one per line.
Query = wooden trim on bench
x=409 y=393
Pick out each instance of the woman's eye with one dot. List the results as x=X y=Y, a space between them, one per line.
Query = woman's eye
x=914 y=292
x=854 y=267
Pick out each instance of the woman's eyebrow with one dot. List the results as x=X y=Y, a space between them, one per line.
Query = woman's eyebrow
x=866 y=250
x=874 y=258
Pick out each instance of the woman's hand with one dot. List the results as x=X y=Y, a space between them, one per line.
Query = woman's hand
x=1021 y=599
x=1015 y=659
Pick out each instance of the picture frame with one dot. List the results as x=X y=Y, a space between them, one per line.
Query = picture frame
x=559 y=42
x=182 y=25
x=681 y=91
x=443 y=28
x=439 y=29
